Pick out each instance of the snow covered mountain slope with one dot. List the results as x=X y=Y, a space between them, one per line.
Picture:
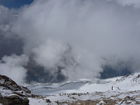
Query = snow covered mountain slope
x=120 y=84
x=123 y=90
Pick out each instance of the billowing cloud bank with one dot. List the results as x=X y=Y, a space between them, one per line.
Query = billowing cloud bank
x=76 y=38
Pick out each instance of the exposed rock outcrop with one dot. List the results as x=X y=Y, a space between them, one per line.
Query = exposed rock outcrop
x=13 y=94
x=14 y=100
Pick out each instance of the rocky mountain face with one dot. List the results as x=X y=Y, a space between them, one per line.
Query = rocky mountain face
x=13 y=94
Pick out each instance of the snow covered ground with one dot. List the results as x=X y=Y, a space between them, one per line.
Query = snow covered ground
x=118 y=91
x=120 y=84
x=123 y=90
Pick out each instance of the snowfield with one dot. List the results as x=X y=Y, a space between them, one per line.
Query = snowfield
x=118 y=84
x=123 y=90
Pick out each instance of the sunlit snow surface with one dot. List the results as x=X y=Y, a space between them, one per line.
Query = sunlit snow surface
x=120 y=84
x=114 y=88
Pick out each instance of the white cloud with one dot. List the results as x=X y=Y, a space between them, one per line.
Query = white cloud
x=135 y=3
x=95 y=29
x=12 y=66
x=78 y=35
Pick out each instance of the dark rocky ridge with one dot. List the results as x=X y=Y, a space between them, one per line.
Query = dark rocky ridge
x=13 y=94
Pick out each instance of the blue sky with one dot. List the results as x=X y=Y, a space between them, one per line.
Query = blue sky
x=15 y=3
